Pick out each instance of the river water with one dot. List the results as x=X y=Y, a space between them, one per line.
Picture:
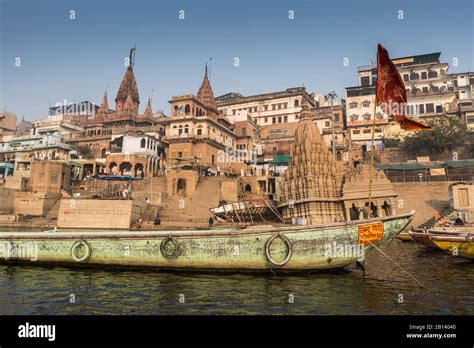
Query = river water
x=384 y=289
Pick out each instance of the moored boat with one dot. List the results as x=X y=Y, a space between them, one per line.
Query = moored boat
x=286 y=248
x=404 y=236
x=424 y=236
x=459 y=246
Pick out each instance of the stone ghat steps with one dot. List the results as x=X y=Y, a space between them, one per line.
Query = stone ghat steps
x=178 y=210
x=426 y=198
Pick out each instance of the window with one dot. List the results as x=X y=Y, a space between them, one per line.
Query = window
x=274 y=120
x=432 y=74
x=439 y=108
x=199 y=131
x=414 y=76
x=429 y=107
x=366 y=131
x=285 y=119
x=336 y=117
x=244 y=131
x=425 y=89
x=378 y=130
x=356 y=131
x=265 y=120
x=406 y=77
x=423 y=75
x=327 y=124
x=279 y=106
x=273 y=106
x=353 y=105
x=255 y=109
x=233 y=112
x=421 y=108
x=366 y=103
x=54 y=178
x=364 y=80
x=142 y=143
x=297 y=102
x=285 y=105
x=279 y=119
x=265 y=108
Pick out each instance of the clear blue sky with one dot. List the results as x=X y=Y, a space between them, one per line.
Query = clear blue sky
x=76 y=59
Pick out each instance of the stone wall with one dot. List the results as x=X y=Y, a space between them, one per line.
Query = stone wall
x=426 y=198
x=6 y=202
x=101 y=214
x=33 y=203
x=229 y=191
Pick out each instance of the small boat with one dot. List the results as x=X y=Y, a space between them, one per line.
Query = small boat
x=460 y=246
x=424 y=236
x=404 y=236
x=287 y=248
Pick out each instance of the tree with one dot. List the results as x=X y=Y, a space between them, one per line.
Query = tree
x=391 y=142
x=446 y=135
x=84 y=152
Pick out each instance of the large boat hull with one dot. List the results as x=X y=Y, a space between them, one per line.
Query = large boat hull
x=264 y=248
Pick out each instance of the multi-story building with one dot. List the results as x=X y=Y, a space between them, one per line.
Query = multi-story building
x=321 y=115
x=275 y=113
x=431 y=93
x=136 y=154
x=248 y=132
x=34 y=147
x=196 y=132
x=7 y=123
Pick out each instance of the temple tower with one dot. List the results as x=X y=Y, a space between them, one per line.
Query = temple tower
x=127 y=98
x=312 y=186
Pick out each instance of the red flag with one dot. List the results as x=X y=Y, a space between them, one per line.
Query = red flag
x=391 y=93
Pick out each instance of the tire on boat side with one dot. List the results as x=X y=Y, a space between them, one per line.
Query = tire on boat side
x=176 y=249
x=86 y=255
x=289 y=247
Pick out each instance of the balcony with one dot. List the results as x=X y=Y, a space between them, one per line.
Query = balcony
x=366 y=122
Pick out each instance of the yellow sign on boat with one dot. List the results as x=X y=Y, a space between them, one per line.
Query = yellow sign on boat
x=370 y=233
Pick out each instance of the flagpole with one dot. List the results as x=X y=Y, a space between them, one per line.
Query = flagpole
x=372 y=150
x=372 y=147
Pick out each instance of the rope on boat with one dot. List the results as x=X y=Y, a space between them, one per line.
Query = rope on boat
x=403 y=269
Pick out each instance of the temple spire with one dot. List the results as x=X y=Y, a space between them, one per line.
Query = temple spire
x=104 y=106
x=128 y=86
x=205 y=93
x=305 y=113
x=149 y=110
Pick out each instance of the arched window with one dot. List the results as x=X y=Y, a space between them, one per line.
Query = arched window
x=187 y=109
x=142 y=143
x=432 y=74
x=186 y=129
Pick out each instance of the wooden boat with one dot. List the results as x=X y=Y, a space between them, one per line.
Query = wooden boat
x=424 y=236
x=404 y=236
x=286 y=248
x=460 y=246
